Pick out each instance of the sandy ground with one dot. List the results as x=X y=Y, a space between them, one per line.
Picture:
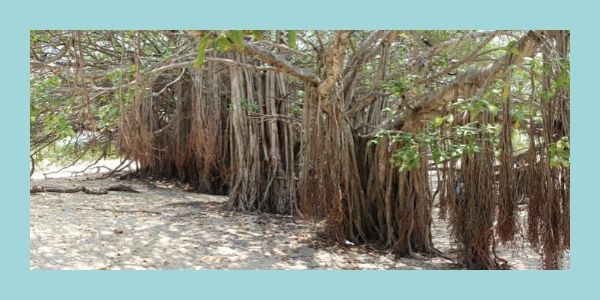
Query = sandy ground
x=164 y=227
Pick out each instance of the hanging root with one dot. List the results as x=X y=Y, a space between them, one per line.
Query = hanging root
x=507 y=225
x=549 y=200
x=471 y=201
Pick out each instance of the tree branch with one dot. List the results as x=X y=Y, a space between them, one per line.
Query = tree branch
x=278 y=62
x=334 y=61
x=464 y=84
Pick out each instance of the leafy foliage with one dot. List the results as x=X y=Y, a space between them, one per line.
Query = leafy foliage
x=202 y=51
x=559 y=153
x=291 y=38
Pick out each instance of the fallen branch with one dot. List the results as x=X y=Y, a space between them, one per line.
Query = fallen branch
x=92 y=191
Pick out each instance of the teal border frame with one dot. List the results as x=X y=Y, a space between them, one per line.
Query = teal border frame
x=17 y=18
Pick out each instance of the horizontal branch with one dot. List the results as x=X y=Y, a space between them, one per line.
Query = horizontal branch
x=464 y=85
x=68 y=73
x=278 y=62
x=453 y=42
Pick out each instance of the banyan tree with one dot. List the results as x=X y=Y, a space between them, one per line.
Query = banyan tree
x=376 y=133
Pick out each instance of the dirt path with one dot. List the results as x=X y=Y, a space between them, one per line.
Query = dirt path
x=168 y=228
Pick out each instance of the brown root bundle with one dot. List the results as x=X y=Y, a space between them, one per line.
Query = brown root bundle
x=414 y=212
x=245 y=156
x=169 y=138
x=507 y=225
x=471 y=205
x=330 y=178
x=262 y=143
x=205 y=133
x=400 y=202
x=363 y=199
x=207 y=141
x=549 y=199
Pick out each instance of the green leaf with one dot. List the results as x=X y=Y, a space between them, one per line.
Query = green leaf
x=493 y=109
x=372 y=143
x=291 y=38
x=515 y=51
x=235 y=36
x=222 y=44
x=506 y=91
x=201 y=51
x=512 y=47
x=437 y=155
x=256 y=34
x=554 y=161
